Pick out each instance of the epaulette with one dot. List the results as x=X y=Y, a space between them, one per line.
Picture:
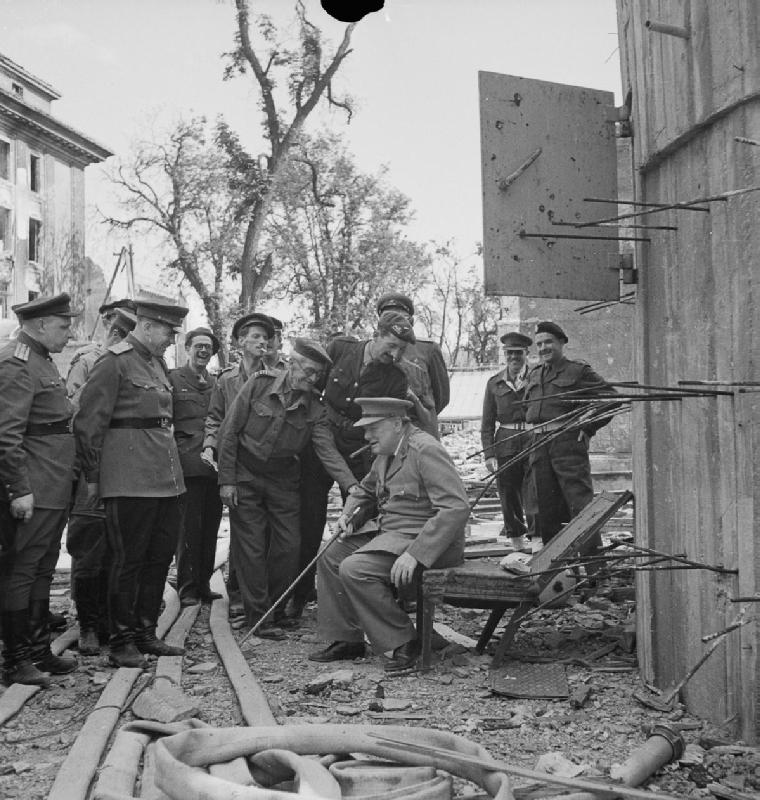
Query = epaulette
x=21 y=352
x=120 y=347
x=259 y=372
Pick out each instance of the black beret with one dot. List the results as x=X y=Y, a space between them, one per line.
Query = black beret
x=516 y=341
x=190 y=335
x=553 y=329
x=58 y=306
x=396 y=323
x=161 y=311
x=255 y=318
x=395 y=300
x=130 y=305
x=312 y=350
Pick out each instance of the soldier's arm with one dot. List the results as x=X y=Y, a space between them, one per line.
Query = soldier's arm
x=228 y=436
x=439 y=378
x=361 y=504
x=596 y=386
x=488 y=422
x=16 y=393
x=216 y=410
x=324 y=446
x=447 y=496
x=96 y=405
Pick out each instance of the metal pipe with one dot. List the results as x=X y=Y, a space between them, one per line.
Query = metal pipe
x=524 y=235
x=745 y=140
x=670 y=30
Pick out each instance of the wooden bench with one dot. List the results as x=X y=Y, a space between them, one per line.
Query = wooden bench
x=483 y=584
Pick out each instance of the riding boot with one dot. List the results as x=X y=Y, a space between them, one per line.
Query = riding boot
x=86 y=597
x=147 y=610
x=17 y=660
x=121 y=644
x=42 y=656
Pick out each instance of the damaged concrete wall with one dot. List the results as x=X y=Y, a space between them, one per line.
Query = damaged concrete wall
x=693 y=69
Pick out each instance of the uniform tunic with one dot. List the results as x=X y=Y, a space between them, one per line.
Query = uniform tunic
x=36 y=457
x=428 y=356
x=422 y=509
x=80 y=368
x=128 y=383
x=266 y=428
x=560 y=471
x=502 y=418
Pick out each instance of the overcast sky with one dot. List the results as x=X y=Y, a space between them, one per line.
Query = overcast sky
x=413 y=72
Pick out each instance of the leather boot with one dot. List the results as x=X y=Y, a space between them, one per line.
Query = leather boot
x=126 y=655
x=17 y=662
x=86 y=597
x=42 y=656
x=148 y=605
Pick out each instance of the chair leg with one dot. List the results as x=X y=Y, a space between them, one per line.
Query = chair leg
x=428 y=618
x=509 y=633
x=493 y=620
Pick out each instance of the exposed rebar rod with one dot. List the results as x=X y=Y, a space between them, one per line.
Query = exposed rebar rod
x=617 y=201
x=524 y=235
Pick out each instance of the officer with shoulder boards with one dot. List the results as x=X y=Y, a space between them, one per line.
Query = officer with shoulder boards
x=37 y=470
x=130 y=460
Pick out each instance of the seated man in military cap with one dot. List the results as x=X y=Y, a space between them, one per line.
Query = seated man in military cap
x=270 y=422
x=501 y=433
x=560 y=470
x=85 y=535
x=130 y=460
x=192 y=386
x=36 y=473
x=365 y=368
x=410 y=510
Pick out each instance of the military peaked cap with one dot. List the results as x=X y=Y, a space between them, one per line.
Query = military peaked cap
x=124 y=320
x=256 y=318
x=397 y=324
x=130 y=305
x=516 y=341
x=276 y=323
x=312 y=350
x=553 y=329
x=376 y=408
x=395 y=300
x=58 y=306
x=161 y=311
x=190 y=335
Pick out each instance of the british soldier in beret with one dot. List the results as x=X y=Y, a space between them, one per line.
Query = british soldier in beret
x=502 y=422
x=192 y=386
x=560 y=470
x=36 y=473
x=270 y=422
x=130 y=461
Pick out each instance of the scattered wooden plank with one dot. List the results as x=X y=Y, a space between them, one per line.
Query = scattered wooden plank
x=118 y=774
x=79 y=767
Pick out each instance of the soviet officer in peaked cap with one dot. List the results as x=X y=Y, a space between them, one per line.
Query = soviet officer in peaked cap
x=130 y=460
x=36 y=470
x=192 y=386
x=560 y=470
x=502 y=433
x=432 y=386
x=270 y=422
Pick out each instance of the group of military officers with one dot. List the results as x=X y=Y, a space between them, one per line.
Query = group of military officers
x=153 y=454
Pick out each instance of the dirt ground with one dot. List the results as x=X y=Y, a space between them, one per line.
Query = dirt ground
x=581 y=736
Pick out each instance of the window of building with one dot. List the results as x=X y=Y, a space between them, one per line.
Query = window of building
x=5 y=230
x=5 y=160
x=35 y=240
x=18 y=89
x=35 y=165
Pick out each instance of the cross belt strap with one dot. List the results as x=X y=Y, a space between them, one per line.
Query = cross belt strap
x=141 y=422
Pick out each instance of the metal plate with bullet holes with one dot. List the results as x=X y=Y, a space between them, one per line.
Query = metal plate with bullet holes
x=544 y=148
x=524 y=680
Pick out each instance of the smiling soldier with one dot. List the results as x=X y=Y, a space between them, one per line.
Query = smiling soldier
x=270 y=422
x=410 y=510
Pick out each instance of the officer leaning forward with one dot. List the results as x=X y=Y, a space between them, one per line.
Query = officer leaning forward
x=130 y=460
x=37 y=470
x=559 y=469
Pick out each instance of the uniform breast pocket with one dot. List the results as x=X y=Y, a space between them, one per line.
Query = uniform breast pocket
x=260 y=409
x=150 y=399
x=51 y=393
x=190 y=404
x=408 y=488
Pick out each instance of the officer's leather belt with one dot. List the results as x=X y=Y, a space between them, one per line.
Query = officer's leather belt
x=49 y=428
x=141 y=422
x=512 y=426
x=544 y=427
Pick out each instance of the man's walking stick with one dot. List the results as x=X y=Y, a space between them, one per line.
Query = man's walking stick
x=290 y=588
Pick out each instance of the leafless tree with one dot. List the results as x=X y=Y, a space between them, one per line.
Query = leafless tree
x=308 y=75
